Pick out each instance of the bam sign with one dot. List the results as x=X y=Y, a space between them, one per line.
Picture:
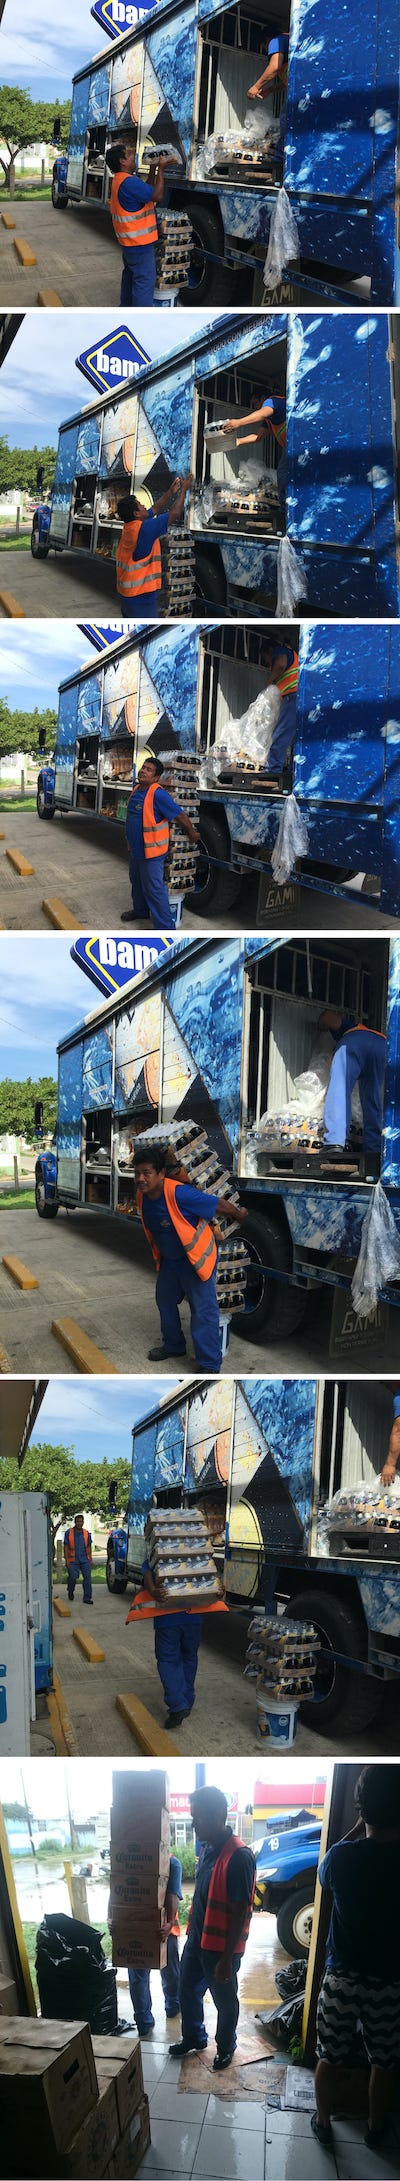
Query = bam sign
x=118 y=16
x=111 y=962
x=119 y=356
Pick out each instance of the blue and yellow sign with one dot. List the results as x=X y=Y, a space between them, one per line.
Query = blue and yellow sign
x=118 y=16
x=103 y=633
x=111 y=363
x=111 y=962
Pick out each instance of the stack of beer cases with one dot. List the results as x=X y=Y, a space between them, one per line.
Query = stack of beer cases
x=140 y=1858
x=71 y=2105
x=180 y=1557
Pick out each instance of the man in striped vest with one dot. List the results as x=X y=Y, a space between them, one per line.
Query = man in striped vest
x=177 y=1221
x=218 y=1929
x=282 y=664
x=78 y=1558
x=269 y=416
x=275 y=78
x=138 y=558
x=150 y=813
x=131 y=204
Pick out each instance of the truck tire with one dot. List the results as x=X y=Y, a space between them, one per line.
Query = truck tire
x=351 y=1699
x=214 y=889
x=58 y=202
x=115 y=1583
x=294 y=1922
x=38 y=551
x=44 y=810
x=211 y=587
x=209 y=282
x=272 y=1311
x=46 y=1209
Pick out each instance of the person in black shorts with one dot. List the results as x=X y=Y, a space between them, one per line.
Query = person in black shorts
x=361 y=1984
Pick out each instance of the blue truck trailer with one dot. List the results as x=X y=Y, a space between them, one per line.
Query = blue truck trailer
x=341 y=383
x=262 y=1458
x=181 y=690
x=182 y=78
x=212 y=1039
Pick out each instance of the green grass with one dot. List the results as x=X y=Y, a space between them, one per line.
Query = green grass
x=24 y=195
x=18 y=802
x=17 y=1200
x=17 y=545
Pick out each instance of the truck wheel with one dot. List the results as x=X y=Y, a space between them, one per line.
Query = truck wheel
x=209 y=282
x=271 y=1311
x=294 y=1923
x=58 y=202
x=39 y=551
x=351 y=1699
x=44 y=810
x=116 y=1583
x=213 y=889
x=211 y=589
x=46 y=1209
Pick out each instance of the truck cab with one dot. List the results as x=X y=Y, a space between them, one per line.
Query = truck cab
x=287 y=1864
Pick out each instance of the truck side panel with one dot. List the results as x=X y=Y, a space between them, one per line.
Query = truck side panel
x=340 y=434
x=206 y=1000
x=70 y=1120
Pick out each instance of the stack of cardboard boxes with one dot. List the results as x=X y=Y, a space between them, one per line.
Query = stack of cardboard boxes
x=140 y=1859
x=71 y=2105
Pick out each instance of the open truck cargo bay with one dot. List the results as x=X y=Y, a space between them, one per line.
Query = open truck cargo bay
x=262 y=1457
x=183 y=688
x=342 y=457
x=216 y=1035
x=182 y=79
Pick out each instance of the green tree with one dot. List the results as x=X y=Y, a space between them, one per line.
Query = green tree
x=19 y=730
x=25 y=121
x=19 y=466
x=71 y=1484
x=17 y=1105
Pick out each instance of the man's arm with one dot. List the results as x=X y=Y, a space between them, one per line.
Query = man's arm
x=227 y=1210
x=167 y=160
x=176 y=510
x=393 y=1455
x=257 y=416
x=148 y=1582
x=237 y=1918
x=171 y=1906
x=270 y=76
x=164 y=501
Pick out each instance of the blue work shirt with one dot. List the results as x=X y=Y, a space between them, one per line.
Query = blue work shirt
x=277 y=406
x=132 y=195
x=280 y=45
x=175 y=1878
x=363 y=1877
x=239 y=1879
x=194 y=1203
x=153 y=526
x=396 y=1403
x=164 y=807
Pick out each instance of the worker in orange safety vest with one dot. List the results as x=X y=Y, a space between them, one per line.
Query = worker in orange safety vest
x=150 y=813
x=177 y=1221
x=218 y=1929
x=282 y=664
x=132 y=202
x=78 y=1558
x=138 y=558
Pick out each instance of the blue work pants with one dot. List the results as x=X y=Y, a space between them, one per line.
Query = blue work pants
x=198 y=1977
x=360 y=1058
x=176 y=1278
x=149 y=892
x=138 y=275
x=83 y=1568
x=139 y=1986
x=283 y=735
x=176 y=1642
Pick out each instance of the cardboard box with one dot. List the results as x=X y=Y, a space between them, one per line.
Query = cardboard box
x=135 y=1890
x=132 y=1850
x=48 y=2081
x=143 y=1949
x=9 y=2003
x=119 y=2061
x=96 y=2141
x=147 y=1787
x=144 y=1828
x=134 y=2143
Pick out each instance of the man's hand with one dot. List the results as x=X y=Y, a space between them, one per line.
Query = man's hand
x=388 y=1472
x=223 y=1969
x=231 y=424
x=256 y=90
x=241 y=1213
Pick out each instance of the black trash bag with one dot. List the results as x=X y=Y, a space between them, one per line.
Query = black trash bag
x=284 y=2023
x=76 y=1983
x=291 y=1980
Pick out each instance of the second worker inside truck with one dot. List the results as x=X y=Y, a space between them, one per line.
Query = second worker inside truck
x=360 y=1058
x=150 y=813
x=282 y=664
x=177 y=1221
x=131 y=203
x=138 y=556
x=267 y=416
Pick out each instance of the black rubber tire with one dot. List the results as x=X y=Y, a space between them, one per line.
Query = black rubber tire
x=211 y=586
x=116 y=1584
x=58 y=202
x=44 y=1211
x=48 y=808
x=39 y=552
x=278 y=1310
x=221 y=888
x=216 y=281
x=287 y=1913
x=352 y=1701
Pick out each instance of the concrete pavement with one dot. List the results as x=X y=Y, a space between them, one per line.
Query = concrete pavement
x=63 y=586
x=76 y=250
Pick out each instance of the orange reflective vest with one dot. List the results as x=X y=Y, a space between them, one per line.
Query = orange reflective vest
x=198 y=1242
x=155 y=830
x=365 y=1026
x=132 y=229
x=288 y=682
x=215 y=1933
x=69 y=1545
x=278 y=431
x=144 y=1608
x=136 y=576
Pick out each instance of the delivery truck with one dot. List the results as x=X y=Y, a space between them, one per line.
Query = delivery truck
x=342 y=389
x=183 y=690
x=181 y=79
x=263 y=1459
x=215 y=1041
x=26 y=1639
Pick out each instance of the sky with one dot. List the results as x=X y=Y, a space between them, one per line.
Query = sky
x=43 y=995
x=96 y=1420
x=40 y=383
x=34 y=659
x=89 y=1780
x=42 y=46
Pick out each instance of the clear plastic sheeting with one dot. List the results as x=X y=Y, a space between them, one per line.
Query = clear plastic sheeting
x=300 y=1121
x=253 y=494
x=291 y=579
x=247 y=739
x=365 y=1507
x=378 y=1261
x=291 y=841
x=283 y=241
x=253 y=142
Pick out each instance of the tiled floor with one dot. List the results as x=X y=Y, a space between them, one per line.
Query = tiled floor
x=199 y=2136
